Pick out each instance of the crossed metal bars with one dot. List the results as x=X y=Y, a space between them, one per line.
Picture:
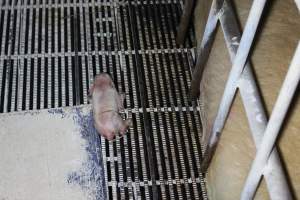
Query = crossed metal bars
x=267 y=161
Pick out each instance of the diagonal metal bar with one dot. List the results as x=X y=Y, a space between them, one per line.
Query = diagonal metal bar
x=277 y=117
x=237 y=68
x=298 y=4
x=253 y=106
x=205 y=46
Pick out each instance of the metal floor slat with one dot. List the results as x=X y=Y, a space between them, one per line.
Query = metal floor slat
x=47 y=59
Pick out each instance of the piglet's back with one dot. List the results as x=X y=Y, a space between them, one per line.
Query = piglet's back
x=105 y=100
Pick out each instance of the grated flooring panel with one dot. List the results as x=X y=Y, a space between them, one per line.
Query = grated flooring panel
x=50 y=50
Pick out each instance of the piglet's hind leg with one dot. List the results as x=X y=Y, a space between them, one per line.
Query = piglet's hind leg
x=125 y=125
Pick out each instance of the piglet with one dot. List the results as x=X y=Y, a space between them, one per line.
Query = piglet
x=106 y=104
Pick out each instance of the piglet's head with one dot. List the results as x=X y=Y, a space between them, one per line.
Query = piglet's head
x=103 y=81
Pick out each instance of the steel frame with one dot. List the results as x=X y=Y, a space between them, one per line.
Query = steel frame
x=267 y=161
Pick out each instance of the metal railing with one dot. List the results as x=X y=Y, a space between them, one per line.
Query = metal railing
x=267 y=162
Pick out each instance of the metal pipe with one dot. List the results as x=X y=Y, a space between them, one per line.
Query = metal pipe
x=76 y=61
x=257 y=121
x=278 y=115
x=237 y=68
x=298 y=4
x=203 y=48
x=253 y=106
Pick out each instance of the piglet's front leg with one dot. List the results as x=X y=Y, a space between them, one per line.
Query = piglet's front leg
x=124 y=124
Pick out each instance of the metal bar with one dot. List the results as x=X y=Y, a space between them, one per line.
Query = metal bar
x=143 y=183
x=164 y=159
x=102 y=39
x=181 y=94
x=191 y=141
x=166 y=133
x=116 y=18
x=97 y=48
x=107 y=34
x=87 y=4
x=96 y=42
x=94 y=53
x=298 y=4
x=1 y=61
x=204 y=48
x=69 y=59
x=76 y=59
x=114 y=175
x=174 y=132
x=155 y=135
x=35 y=47
x=29 y=67
x=2 y=76
x=185 y=21
x=57 y=96
x=166 y=29
x=280 y=109
x=4 y=87
x=145 y=60
x=49 y=74
x=112 y=41
x=254 y=109
x=10 y=70
x=173 y=137
x=142 y=90
x=132 y=192
x=168 y=36
x=16 y=82
x=63 y=31
x=136 y=190
x=113 y=165
x=4 y=30
x=237 y=68
x=181 y=136
x=141 y=152
x=156 y=62
x=82 y=37
x=43 y=62
x=253 y=106
x=89 y=70
x=129 y=71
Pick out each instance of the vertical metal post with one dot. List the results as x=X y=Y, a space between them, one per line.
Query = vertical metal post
x=278 y=114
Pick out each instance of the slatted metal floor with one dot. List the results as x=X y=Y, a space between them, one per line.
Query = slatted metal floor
x=50 y=50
